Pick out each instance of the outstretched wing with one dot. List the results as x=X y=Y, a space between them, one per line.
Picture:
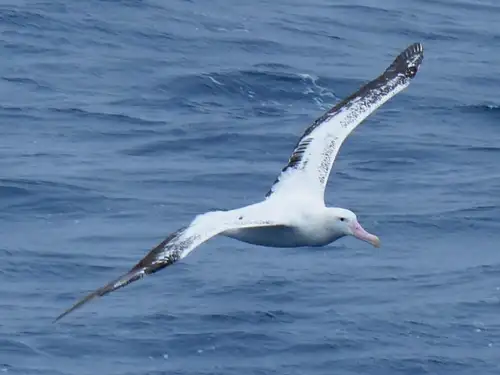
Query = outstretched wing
x=310 y=164
x=177 y=246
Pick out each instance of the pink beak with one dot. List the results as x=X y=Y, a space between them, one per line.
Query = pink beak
x=363 y=235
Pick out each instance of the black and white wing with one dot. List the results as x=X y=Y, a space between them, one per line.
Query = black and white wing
x=179 y=244
x=310 y=164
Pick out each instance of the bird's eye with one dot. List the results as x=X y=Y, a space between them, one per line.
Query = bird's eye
x=342 y=219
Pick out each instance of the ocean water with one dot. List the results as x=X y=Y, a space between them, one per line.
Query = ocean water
x=121 y=120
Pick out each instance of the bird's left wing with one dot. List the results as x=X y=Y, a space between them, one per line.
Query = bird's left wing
x=309 y=166
x=178 y=245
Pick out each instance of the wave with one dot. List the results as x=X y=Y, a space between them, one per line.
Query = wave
x=28 y=81
x=105 y=117
x=47 y=197
x=264 y=82
x=480 y=108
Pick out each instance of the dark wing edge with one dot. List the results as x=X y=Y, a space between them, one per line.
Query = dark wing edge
x=158 y=258
x=406 y=64
x=408 y=61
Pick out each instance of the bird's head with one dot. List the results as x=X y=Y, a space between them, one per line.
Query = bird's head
x=346 y=223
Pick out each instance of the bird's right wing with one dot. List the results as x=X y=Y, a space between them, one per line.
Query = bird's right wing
x=178 y=245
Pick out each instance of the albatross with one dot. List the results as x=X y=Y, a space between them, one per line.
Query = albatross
x=293 y=212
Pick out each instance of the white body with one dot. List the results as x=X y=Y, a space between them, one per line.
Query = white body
x=304 y=224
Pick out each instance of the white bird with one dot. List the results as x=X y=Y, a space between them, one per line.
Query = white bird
x=293 y=213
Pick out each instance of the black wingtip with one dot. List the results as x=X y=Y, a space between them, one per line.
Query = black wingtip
x=75 y=306
x=157 y=259
x=408 y=61
x=133 y=275
x=97 y=293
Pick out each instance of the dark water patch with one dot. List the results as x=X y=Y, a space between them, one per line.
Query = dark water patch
x=34 y=185
x=14 y=191
x=482 y=80
x=16 y=347
x=28 y=81
x=337 y=345
x=483 y=149
x=451 y=212
x=111 y=118
x=15 y=110
x=247 y=317
x=490 y=109
x=429 y=35
x=253 y=45
x=432 y=221
x=377 y=165
x=149 y=320
x=410 y=365
x=280 y=67
x=368 y=9
x=31 y=20
x=143 y=5
x=67 y=263
x=27 y=48
x=202 y=143
x=231 y=342
x=314 y=32
x=482 y=7
x=445 y=280
x=22 y=195
x=154 y=38
x=146 y=102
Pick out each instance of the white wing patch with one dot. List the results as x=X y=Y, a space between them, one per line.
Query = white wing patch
x=327 y=156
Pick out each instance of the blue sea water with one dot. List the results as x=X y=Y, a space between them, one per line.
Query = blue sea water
x=121 y=120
